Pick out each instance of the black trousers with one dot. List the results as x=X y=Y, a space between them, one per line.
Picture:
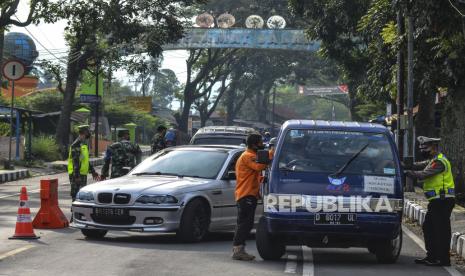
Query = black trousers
x=245 y=219
x=76 y=185
x=437 y=229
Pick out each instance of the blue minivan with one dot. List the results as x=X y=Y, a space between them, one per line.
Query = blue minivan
x=333 y=184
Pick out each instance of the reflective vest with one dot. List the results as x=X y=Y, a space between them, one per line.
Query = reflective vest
x=83 y=161
x=443 y=181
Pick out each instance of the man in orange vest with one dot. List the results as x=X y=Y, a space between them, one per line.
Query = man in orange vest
x=248 y=175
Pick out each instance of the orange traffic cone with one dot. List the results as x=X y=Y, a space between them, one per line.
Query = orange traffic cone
x=23 y=222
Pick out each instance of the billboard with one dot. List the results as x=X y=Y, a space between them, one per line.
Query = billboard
x=140 y=103
x=284 y=39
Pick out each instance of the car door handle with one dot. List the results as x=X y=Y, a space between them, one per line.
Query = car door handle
x=218 y=192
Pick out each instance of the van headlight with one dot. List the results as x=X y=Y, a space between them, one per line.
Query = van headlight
x=156 y=199
x=85 y=196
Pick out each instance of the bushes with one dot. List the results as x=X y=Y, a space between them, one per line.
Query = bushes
x=5 y=129
x=45 y=148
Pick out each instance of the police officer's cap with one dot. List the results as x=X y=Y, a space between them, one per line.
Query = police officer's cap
x=272 y=142
x=123 y=132
x=428 y=140
x=83 y=128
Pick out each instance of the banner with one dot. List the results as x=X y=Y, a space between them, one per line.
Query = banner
x=324 y=91
x=284 y=39
x=88 y=84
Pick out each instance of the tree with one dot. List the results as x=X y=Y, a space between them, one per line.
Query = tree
x=165 y=84
x=8 y=9
x=99 y=32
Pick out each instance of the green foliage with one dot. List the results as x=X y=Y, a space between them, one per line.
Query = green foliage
x=5 y=129
x=45 y=101
x=370 y=110
x=45 y=148
x=119 y=114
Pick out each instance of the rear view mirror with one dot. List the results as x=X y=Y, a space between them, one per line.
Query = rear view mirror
x=263 y=157
x=231 y=175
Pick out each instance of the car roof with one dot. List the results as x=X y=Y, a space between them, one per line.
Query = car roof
x=223 y=148
x=226 y=129
x=335 y=125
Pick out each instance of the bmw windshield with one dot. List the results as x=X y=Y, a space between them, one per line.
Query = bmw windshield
x=184 y=163
x=335 y=151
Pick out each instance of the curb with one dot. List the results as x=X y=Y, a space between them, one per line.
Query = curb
x=417 y=213
x=15 y=175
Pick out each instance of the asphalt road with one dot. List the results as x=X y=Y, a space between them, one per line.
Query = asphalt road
x=67 y=252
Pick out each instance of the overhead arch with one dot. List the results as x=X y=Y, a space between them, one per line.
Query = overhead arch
x=273 y=39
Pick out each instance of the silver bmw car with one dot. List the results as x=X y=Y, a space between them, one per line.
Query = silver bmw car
x=188 y=190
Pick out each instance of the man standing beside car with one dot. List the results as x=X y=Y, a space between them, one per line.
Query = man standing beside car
x=438 y=186
x=123 y=156
x=248 y=175
x=79 y=162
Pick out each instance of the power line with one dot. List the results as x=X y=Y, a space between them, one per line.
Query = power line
x=457 y=9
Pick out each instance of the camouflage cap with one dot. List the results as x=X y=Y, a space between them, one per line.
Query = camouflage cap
x=122 y=132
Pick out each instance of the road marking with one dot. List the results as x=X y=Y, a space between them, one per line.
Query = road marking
x=452 y=271
x=15 y=251
x=308 y=268
x=29 y=192
x=291 y=264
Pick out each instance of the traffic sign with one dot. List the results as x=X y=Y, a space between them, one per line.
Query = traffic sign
x=86 y=98
x=13 y=70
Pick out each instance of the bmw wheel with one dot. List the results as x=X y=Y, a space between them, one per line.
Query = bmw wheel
x=195 y=222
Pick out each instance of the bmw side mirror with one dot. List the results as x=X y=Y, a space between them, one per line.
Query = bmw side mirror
x=231 y=175
x=263 y=157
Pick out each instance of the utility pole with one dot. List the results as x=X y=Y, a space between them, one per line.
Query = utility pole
x=410 y=138
x=97 y=103
x=273 y=132
x=400 y=84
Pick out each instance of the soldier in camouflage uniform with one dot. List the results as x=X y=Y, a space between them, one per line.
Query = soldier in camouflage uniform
x=158 y=141
x=79 y=163
x=122 y=155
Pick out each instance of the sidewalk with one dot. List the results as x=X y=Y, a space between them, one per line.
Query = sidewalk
x=415 y=206
x=52 y=168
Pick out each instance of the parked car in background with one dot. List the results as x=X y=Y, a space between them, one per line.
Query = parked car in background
x=188 y=190
x=333 y=184
x=221 y=135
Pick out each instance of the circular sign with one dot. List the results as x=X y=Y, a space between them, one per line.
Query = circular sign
x=276 y=22
x=226 y=20
x=254 y=22
x=205 y=20
x=13 y=70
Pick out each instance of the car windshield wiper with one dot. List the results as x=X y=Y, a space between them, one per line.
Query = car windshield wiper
x=156 y=173
x=344 y=167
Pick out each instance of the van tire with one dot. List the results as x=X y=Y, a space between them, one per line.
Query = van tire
x=388 y=251
x=268 y=247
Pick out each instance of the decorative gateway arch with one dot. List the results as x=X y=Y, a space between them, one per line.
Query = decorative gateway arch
x=271 y=39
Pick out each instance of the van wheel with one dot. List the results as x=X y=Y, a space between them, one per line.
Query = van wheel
x=94 y=233
x=195 y=222
x=388 y=251
x=268 y=247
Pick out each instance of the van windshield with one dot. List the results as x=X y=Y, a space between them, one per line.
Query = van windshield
x=327 y=151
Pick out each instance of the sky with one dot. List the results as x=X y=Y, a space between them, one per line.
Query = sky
x=50 y=43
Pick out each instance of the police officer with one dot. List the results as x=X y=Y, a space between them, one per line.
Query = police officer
x=123 y=156
x=438 y=186
x=78 y=161
x=158 y=141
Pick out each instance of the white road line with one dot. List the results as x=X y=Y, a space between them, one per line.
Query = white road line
x=15 y=251
x=308 y=268
x=29 y=192
x=291 y=264
x=452 y=271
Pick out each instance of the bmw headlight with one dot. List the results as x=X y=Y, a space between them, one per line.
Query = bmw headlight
x=85 y=196
x=156 y=199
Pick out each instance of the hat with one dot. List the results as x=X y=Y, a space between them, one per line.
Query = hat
x=122 y=132
x=83 y=128
x=272 y=141
x=428 y=140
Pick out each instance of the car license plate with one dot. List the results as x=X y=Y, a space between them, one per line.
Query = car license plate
x=113 y=212
x=335 y=219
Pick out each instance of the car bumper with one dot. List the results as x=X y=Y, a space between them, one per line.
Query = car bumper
x=302 y=226
x=137 y=219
